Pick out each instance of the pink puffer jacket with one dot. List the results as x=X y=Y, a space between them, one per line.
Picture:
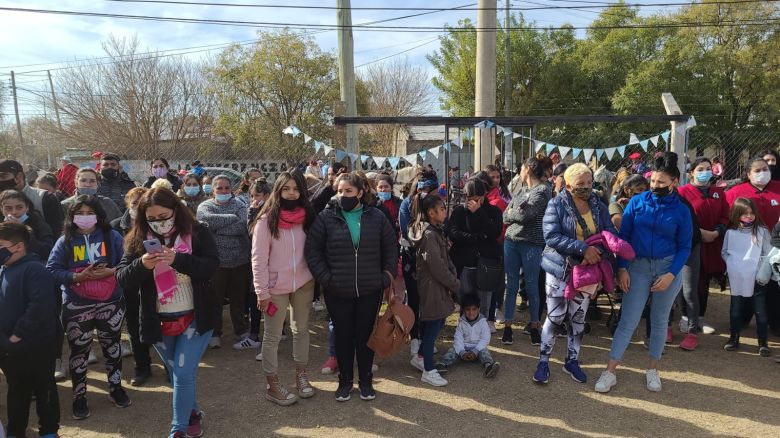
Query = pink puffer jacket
x=583 y=277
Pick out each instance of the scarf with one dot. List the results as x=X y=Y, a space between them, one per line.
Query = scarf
x=164 y=276
x=291 y=218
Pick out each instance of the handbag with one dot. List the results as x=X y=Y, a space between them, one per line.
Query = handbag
x=490 y=273
x=391 y=329
x=96 y=290
x=177 y=326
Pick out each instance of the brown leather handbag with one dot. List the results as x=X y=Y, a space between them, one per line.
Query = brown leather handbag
x=391 y=329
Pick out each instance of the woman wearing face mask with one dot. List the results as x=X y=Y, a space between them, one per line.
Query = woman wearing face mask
x=659 y=227
x=631 y=186
x=571 y=217
x=207 y=186
x=226 y=217
x=250 y=176
x=83 y=262
x=282 y=278
x=712 y=214
x=191 y=192
x=179 y=309
x=17 y=207
x=160 y=169
x=352 y=251
x=771 y=157
x=87 y=183
x=386 y=198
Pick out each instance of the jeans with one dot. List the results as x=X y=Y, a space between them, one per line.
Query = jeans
x=181 y=355
x=451 y=357
x=430 y=331
x=643 y=272
x=759 y=307
x=26 y=375
x=353 y=321
x=300 y=303
x=232 y=283
x=141 y=354
x=520 y=255
x=689 y=300
x=468 y=285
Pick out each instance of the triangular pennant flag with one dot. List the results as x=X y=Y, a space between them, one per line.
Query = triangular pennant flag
x=481 y=124
x=490 y=124
x=423 y=153
x=654 y=140
x=564 y=150
x=288 y=130
x=549 y=148
x=340 y=155
x=610 y=152
x=644 y=143
x=411 y=158
x=353 y=158
x=295 y=130
x=538 y=145
x=317 y=145
x=458 y=142
x=326 y=149
x=394 y=162
x=447 y=146
x=506 y=131
x=306 y=138
x=632 y=138
x=575 y=152
x=380 y=161
x=363 y=158
x=516 y=135
x=622 y=150
x=691 y=122
x=665 y=136
x=599 y=154
x=469 y=134
x=587 y=154
x=435 y=151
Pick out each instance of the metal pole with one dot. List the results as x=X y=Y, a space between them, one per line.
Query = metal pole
x=507 y=49
x=447 y=167
x=16 y=111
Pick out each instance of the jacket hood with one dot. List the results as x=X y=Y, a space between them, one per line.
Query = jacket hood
x=416 y=232
x=464 y=320
x=126 y=222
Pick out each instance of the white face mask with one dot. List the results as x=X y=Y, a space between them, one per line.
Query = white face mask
x=760 y=178
x=162 y=227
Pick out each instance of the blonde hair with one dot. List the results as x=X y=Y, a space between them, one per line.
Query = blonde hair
x=134 y=195
x=574 y=171
x=162 y=183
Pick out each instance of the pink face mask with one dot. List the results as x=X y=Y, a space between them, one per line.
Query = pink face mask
x=85 y=221
x=159 y=172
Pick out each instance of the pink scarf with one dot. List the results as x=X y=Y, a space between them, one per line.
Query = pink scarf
x=164 y=276
x=291 y=218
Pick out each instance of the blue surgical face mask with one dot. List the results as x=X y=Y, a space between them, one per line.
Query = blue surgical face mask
x=223 y=197
x=89 y=191
x=207 y=189
x=191 y=191
x=384 y=196
x=704 y=176
x=23 y=218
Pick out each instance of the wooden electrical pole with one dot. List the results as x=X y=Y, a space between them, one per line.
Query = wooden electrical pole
x=485 y=93
x=54 y=100
x=507 y=52
x=347 y=74
x=16 y=111
x=678 y=141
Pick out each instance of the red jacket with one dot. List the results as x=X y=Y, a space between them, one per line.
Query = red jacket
x=767 y=201
x=494 y=198
x=711 y=212
x=66 y=178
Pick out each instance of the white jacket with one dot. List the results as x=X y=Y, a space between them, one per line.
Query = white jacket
x=470 y=336
x=742 y=253
x=769 y=267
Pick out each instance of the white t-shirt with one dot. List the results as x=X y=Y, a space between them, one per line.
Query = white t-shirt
x=742 y=253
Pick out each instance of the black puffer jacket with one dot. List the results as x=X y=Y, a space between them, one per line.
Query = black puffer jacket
x=475 y=234
x=340 y=268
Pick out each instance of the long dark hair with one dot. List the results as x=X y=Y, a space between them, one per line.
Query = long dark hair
x=184 y=220
x=103 y=225
x=35 y=216
x=426 y=204
x=740 y=207
x=245 y=181
x=502 y=187
x=272 y=207
x=356 y=181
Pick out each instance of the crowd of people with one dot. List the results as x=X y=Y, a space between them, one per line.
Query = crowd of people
x=89 y=251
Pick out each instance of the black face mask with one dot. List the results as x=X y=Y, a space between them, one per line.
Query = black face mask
x=582 y=192
x=289 y=204
x=8 y=185
x=662 y=191
x=348 y=204
x=5 y=254
x=109 y=173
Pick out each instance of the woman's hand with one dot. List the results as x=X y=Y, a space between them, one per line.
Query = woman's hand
x=262 y=305
x=166 y=256
x=662 y=283
x=623 y=280
x=708 y=236
x=103 y=272
x=472 y=205
x=592 y=256
x=150 y=260
x=86 y=274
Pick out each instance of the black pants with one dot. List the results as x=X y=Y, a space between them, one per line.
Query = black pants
x=353 y=320
x=758 y=304
x=143 y=360
x=773 y=305
x=409 y=268
x=28 y=374
x=252 y=312
x=232 y=283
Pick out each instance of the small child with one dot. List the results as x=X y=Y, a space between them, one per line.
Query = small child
x=28 y=333
x=472 y=337
x=436 y=282
x=745 y=243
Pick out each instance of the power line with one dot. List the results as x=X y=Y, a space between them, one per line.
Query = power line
x=396 y=54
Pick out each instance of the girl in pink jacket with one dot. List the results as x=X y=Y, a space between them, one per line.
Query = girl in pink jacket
x=282 y=279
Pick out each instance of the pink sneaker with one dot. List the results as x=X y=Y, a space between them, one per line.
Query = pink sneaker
x=690 y=342
x=669 y=335
x=195 y=427
x=330 y=366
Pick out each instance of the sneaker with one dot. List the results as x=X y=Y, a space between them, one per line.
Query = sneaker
x=646 y=343
x=542 y=374
x=527 y=329
x=141 y=376
x=317 y=306
x=684 y=324
x=215 y=342
x=330 y=366
x=669 y=335
x=195 y=426
x=441 y=368
x=259 y=357
x=500 y=316
x=60 y=370
x=414 y=348
x=653 y=380
x=492 y=325
x=706 y=328
x=491 y=369
x=689 y=342
x=605 y=382
x=344 y=391
x=536 y=336
x=763 y=349
x=417 y=362
x=433 y=377
x=276 y=393
x=506 y=338
x=367 y=392
x=80 y=408
x=246 y=343
x=572 y=368
x=302 y=385
x=127 y=349
x=92 y=358
x=374 y=367
x=732 y=344
x=119 y=397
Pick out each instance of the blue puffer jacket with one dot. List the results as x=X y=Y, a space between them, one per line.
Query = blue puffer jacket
x=560 y=231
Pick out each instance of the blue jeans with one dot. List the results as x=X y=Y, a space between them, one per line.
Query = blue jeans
x=528 y=257
x=181 y=355
x=430 y=331
x=643 y=272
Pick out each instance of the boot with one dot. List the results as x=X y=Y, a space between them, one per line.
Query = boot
x=277 y=393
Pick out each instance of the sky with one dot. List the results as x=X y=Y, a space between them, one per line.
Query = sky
x=28 y=39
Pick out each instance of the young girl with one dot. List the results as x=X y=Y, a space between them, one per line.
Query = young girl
x=746 y=241
x=191 y=192
x=282 y=278
x=17 y=207
x=434 y=284
x=83 y=262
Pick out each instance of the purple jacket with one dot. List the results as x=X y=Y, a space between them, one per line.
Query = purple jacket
x=586 y=275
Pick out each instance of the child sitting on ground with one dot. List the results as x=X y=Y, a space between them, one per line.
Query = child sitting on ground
x=472 y=337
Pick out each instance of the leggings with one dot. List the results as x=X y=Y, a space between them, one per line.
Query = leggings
x=690 y=298
x=560 y=310
x=79 y=321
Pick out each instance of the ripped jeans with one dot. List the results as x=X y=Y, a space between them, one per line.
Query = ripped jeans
x=181 y=355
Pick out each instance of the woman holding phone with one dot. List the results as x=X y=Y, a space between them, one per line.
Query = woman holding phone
x=282 y=279
x=170 y=258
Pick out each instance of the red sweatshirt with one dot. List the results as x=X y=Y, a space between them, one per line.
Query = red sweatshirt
x=710 y=212
x=767 y=201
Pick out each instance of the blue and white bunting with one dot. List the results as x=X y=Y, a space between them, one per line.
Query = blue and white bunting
x=326 y=149
x=575 y=152
x=632 y=138
x=538 y=145
x=435 y=151
x=665 y=136
x=458 y=142
x=306 y=139
x=599 y=154
x=654 y=140
x=564 y=151
x=317 y=146
x=423 y=153
x=340 y=155
x=394 y=162
x=610 y=152
x=363 y=158
x=353 y=157
x=485 y=124
x=622 y=150
x=549 y=148
x=380 y=161
x=644 y=144
x=587 y=154
x=411 y=159
x=447 y=146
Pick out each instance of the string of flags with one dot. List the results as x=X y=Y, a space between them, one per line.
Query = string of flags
x=609 y=152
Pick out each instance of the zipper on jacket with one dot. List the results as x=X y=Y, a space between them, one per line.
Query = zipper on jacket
x=357 y=291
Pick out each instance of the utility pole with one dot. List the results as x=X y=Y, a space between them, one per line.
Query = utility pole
x=54 y=100
x=485 y=93
x=16 y=111
x=507 y=50
x=347 y=74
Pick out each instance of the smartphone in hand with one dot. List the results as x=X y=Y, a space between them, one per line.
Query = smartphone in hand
x=153 y=246
x=271 y=310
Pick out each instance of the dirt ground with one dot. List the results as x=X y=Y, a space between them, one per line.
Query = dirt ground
x=709 y=392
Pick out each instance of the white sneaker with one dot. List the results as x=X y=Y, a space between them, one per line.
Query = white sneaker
x=374 y=367
x=415 y=347
x=215 y=342
x=605 y=382
x=92 y=358
x=492 y=326
x=433 y=377
x=706 y=328
x=417 y=362
x=246 y=343
x=684 y=324
x=60 y=371
x=259 y=357
x=499 y=316
x=127 y=349
x=317 y=306
x=653 y=380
